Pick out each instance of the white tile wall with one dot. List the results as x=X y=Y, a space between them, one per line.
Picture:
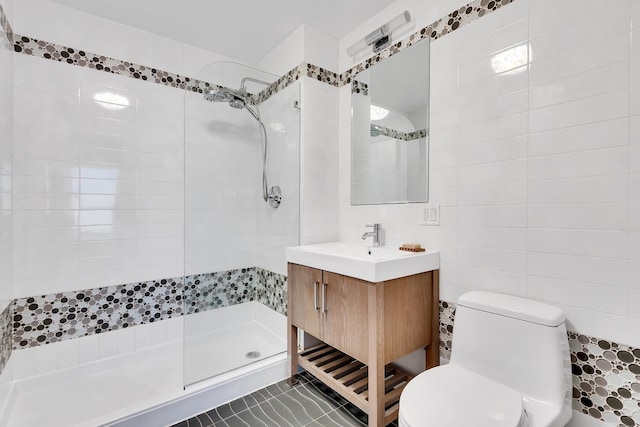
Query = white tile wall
x=279 y=228
x=535 y=168
x=319 y=163
x=99 y=185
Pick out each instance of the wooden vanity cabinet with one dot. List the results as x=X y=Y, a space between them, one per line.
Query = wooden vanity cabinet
x=331 y=307
x=363 y=326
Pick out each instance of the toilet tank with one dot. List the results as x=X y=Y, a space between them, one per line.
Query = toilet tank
x=515 y=341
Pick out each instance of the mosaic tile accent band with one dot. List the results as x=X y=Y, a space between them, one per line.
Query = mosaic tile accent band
x=81 y=58
x=399 y=135
x=280 y=84
x=51 y=318
x=606 y=380
x=6 y=333
x=47 y=319
x=447 y=314
x=272 y=290
x=209 y=291
x=360 y=88
x=606 y=375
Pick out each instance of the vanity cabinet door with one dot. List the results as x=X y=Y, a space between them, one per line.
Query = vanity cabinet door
x=345 y=312
x=304 y=286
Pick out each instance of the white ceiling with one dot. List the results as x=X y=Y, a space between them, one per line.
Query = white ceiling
x=245 y=30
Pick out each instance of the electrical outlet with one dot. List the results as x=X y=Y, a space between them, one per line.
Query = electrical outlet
x=430 y=214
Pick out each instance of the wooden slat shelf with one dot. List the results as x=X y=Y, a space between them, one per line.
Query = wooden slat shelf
x=349 y=378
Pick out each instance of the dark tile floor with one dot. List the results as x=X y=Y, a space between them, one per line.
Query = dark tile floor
x=310 y=403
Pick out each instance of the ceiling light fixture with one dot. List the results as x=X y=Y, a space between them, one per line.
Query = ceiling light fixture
x=381 y=37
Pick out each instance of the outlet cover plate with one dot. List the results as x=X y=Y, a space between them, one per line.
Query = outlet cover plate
x=430 y=214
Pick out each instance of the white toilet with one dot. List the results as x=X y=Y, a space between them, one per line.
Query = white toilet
x=509 y=367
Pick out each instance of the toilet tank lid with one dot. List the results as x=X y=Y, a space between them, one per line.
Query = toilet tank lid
x=514 y=307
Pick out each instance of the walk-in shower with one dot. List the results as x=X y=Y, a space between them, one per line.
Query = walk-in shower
x=234 y=296
x=240 y=99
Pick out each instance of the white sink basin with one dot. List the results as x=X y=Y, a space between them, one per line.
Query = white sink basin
x=363 y=262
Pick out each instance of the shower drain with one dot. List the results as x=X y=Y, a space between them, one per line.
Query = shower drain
x=252 y=355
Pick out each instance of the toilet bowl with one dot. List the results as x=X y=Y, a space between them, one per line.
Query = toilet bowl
x=509 y=367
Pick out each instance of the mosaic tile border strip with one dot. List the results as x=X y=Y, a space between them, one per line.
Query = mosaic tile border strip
x=46 y=319
x=271 y=290
x=606 y=374
x=440 y=28
x=209 y=291
x=6 y=27
x=606 y=379
x=283 y=82
x=399 y=135
x=447 y=314
x=360 y=88
x=6 y=336
x=81 y=58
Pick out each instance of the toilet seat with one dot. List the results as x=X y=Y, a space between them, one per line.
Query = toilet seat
x=452 y=396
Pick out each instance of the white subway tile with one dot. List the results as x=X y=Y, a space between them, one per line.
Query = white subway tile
x=634 y=159
x=493 y=237
x=45 y=201
x=598 y=81
x=493 y=259
x=489 y=279
x=597 y=324
x=24 y=363
x=586 y=110
x=510 y=193
x=600 y=189
x=634 y=246
x=494 y=108
x=605 y=271
x=579 y=294
x=634 y=217
x=494 y=151
x=491 y=216
x=634 y=303
x=609 y=161
x=487 y=173
x=582 y=216
x=44 y=269
x=550 y=37
x=597 y=243
x=593 y=55
x=491 y=130
x=604 y=134
x=89 y=265
x=634 y=274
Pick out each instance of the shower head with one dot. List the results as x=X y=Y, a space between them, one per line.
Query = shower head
x=375 y=130
x=235 y=98
x=238 y=103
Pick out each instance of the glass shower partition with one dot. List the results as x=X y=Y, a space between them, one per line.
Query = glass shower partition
x=234 y=241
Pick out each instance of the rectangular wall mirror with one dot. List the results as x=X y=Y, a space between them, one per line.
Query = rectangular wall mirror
x=390 y=128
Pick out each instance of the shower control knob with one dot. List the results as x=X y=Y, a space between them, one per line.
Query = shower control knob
x=275 y=196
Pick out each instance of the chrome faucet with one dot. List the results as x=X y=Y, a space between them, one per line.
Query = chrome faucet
x=375 y=234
